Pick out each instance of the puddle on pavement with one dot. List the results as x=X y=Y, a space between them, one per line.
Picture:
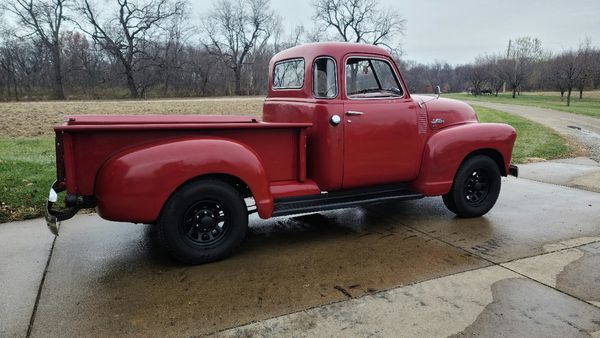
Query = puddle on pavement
x=581 y=278
x=111 y=278
x=522 y=307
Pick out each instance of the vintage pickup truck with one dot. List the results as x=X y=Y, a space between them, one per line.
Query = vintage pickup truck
x=339 y=129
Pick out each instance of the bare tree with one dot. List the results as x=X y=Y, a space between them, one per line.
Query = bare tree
x=126 y=32
x=360 y=21
x=585 y=65
x=492 y=66
x=234 y=28
x=476 y=75
x=42 y=20
x=568 y=70
x=521 y=57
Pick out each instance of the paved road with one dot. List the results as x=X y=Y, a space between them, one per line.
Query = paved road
x=407 y=268
x=583 y=129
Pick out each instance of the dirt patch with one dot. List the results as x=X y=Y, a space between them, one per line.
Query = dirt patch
x=33 y=119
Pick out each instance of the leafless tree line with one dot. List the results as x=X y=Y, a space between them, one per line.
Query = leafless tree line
x=149 y=48
x=523 y=66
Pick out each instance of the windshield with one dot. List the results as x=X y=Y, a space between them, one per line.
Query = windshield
x=371 y=78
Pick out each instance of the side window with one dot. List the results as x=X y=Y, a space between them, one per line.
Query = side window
x=324 y=78
x=288 y=74
x=371 y=78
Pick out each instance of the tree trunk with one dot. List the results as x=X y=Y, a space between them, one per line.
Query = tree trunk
x=514 y=92
x=569 y=97
x=238 y=81
x=167 y=80
x=580 y=93
x=59 y=93
x=562 y=95
x=131 y=82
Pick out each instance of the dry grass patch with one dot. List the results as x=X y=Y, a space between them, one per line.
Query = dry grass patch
x=35 y=119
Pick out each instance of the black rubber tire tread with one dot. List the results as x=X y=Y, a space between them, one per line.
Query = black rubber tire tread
x=168 y=224
x=449 y=202
x=455 y=200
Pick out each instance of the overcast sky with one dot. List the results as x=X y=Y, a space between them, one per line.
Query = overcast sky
x=456 y=31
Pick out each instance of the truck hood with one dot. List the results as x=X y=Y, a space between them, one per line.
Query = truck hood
x=446 y=112
x=154 y=119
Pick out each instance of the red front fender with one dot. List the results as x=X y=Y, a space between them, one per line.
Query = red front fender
x=135 y=184
x=446 y=149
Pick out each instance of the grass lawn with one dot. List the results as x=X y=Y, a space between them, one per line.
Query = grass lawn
x=27 y=170
x=27 y=163
x=589 y=105
x=534 y=141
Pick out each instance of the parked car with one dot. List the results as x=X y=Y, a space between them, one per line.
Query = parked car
x=339 y=129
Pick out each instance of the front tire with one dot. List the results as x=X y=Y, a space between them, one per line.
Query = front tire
x=475 y=188
x=204 y=221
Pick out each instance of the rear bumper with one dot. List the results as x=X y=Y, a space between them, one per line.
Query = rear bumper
x=513 y=170
x=54 y=216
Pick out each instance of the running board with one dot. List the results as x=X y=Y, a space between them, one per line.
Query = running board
x=343 y=199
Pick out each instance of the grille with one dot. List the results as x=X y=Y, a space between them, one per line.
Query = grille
x=422 y=121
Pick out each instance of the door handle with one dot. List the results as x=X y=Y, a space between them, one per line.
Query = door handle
x=350 y=112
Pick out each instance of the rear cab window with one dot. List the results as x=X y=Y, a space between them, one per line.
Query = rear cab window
x=371 y=78
x=288 y=74
x=325 y=78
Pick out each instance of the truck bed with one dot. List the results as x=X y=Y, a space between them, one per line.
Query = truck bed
x=85 y=143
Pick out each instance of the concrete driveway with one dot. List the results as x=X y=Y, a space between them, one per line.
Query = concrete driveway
x=530 y=266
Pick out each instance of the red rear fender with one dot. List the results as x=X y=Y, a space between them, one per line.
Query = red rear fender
x=135 y=184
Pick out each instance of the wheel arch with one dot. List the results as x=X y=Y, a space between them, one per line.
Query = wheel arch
x=494 y=154
x=135 y=185
x=233 y=181
x=446 y=150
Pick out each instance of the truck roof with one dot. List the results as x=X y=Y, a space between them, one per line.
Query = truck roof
x=334 y=49
x=308 y=52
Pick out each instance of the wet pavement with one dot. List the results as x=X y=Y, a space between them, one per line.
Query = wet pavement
x=24 y=250
x=404 y=268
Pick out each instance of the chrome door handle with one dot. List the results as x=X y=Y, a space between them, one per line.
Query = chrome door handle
x=350 y=112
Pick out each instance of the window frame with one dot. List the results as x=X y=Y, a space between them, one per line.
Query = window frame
x=369 y=58
x=284 y=61
x=337 y=84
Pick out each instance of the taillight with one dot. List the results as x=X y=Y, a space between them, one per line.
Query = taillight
x=60 y=160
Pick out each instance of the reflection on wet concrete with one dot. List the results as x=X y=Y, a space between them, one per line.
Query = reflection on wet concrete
x=522 y=307
x=573 y=271
x=581 y=278
x=111 y=278
x=527 y=216
x=488 y=302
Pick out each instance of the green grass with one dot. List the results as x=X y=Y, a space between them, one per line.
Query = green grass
x=27 y=170
x=27 y=166
x=533 y=139
x=589 y=105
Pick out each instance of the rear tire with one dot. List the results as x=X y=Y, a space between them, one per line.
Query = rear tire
x=475 y=188
x=204 y=221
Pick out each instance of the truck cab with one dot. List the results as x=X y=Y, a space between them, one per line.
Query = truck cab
x=339 y=129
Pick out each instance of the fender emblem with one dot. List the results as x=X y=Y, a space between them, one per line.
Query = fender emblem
x=437 y=121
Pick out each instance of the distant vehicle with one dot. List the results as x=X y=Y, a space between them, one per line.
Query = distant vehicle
x=339 y=129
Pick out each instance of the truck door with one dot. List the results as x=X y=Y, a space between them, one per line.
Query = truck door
x=382 y=139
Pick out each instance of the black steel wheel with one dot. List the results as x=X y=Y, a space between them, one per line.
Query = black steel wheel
x=475 y=188
x=204 y=221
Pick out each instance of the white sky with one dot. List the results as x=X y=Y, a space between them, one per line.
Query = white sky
x=457 y=31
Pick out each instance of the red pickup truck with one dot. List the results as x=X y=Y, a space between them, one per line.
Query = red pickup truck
x=339 y=129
